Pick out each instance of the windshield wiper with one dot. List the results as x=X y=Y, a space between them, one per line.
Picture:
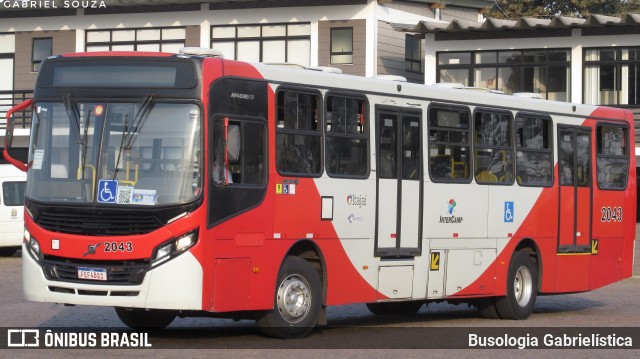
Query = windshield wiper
x=85 y=142
x=139 y=119
x=125 y=132
x=72 y=113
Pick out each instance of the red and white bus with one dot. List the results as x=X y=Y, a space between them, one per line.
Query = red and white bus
x=176 y=185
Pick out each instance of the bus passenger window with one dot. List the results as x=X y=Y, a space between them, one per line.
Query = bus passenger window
x=298 y=136
x=493 y=148
x=449 y=151
x=347 y=149
x=612 y=158
x=534 y=157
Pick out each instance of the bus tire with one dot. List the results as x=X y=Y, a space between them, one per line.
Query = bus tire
x=8 y=251
x=138 y=318
x=522 y=288
x=395 y=308
x=297 y=301
x=487 y=308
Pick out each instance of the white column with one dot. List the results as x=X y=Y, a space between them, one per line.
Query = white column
x=313 y=59
x=576 y=67
x=429 y=59
x=205 y=26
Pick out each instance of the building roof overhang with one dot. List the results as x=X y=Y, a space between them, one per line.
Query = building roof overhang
x=525 y=23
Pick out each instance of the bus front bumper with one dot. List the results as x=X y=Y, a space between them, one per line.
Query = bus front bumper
x=176 y=284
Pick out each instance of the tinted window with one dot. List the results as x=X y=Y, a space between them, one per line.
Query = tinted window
x=534 y=157
x=449 y=151
x=13 y=193
x=612 y=160
x=347 y=150
x=298 y=136
x=493 y=148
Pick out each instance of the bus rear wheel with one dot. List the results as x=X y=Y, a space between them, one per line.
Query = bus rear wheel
x=522 y=288
x=297 y=302
x=138 y=318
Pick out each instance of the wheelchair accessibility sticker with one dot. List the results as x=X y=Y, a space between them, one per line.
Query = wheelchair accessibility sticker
x=107 y=191
x=508 y=211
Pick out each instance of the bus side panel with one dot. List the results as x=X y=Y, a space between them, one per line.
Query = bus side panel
x=630 y=204
x=537 y=226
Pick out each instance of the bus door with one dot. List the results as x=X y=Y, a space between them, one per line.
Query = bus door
x=575 y=189
x=399 y=183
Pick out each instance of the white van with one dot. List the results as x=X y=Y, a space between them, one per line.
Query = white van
x=12 y=186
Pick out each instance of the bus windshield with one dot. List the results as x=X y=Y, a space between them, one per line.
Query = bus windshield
x=115 y=153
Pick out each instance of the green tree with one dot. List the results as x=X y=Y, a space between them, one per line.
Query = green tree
x=514 y=9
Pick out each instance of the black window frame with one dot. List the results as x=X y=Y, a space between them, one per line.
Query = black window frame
x=469 y=145
x=410 y=58
x=36 y=62
x=310 y=133
x=5 y=187
x=511 y=147
x=550 y=151
x=625 y=156
x=340 y=53
x=261 y=39
x=135 y=42
x=617 y=64
x=364 y=136
x=521 y=64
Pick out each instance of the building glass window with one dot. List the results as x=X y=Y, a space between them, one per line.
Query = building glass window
x=42 y=48
x=342 y=46
x=542 y=71
x=449 y=144
x=298 y=135
x=612 y=76
x=534 y=156
x=347 y=149
x=413 y=54
x=169 y=39
x=493 y=147
x=272 y=43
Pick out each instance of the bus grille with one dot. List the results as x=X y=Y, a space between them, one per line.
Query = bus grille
x=98 y=224
x=118 y=272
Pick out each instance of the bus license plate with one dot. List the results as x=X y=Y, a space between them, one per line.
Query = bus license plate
x=92 y=273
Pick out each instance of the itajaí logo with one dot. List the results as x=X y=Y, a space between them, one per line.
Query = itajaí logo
x=356 y=200
x=451 y=206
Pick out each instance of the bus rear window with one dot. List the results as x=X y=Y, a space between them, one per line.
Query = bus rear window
x=118 y=73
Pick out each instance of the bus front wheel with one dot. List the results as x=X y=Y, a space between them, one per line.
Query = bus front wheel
x=297 y=302
x=138 y=318
x=522 y=288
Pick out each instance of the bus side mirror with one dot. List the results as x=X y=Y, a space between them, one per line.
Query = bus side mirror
x=8 y=137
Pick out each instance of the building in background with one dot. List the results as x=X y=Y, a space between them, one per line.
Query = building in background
x=353 y=35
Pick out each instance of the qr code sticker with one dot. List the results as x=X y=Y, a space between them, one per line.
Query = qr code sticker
x=124 y=194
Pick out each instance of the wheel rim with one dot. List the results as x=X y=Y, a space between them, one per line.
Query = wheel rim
x=294 y=298
x=522 y=286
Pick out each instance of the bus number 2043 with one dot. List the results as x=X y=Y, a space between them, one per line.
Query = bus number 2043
x=118 y=247
x=611 y=214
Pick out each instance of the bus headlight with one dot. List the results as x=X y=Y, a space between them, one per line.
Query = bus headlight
x=174 y=247
x=33 y=246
